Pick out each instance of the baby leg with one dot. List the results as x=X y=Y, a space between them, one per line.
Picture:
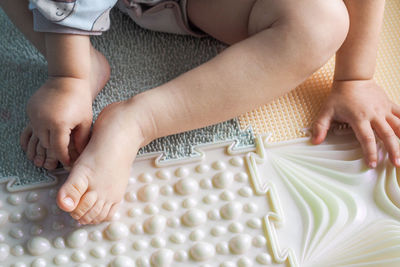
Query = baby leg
x=276 y=44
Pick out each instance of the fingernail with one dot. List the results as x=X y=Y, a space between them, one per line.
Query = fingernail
x=69 y=202
x=372 y=164
x=398 y=162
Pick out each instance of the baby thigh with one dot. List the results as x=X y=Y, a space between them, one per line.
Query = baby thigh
x=318 y=24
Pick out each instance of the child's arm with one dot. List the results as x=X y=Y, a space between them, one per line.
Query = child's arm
x=355 y=98
x=63 y=103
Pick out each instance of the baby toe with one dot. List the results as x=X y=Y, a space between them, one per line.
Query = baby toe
x=103 y=214
x=40 y=155
x=71 y=192
x=87 y=201
x=31 y=150
x=92 y=213
x=51 y=160
x=25 y=137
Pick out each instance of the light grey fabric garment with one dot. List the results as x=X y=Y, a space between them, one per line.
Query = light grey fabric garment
x=140 y=60
x=81 y=15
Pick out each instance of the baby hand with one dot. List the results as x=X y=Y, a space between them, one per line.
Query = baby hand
x=366 y=108
x=61 y=107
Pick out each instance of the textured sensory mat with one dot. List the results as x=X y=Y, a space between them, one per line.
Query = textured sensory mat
x=285 y=204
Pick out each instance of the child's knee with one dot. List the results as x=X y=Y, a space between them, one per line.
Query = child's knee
x=320 y=26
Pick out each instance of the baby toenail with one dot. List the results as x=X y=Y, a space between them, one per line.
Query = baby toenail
x=69 y=202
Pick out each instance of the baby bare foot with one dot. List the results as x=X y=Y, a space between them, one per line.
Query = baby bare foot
x=35 y=151
x=100 y=175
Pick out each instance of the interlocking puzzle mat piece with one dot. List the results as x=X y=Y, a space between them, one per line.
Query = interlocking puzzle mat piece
x=287 y=115
x=328 y=208
x=139 y=59
x=286 y=204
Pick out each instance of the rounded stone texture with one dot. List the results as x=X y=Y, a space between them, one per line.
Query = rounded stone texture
x=194 y=217
x=182 y=172
x=181 y=256
x=173 y=222
x=170 y=205
x=228 y=264
x=96 y=236
x=118 y=249
x=236 y=161
x=231 y=211
x=218 y=165
x=130 y=196
x=186 y=186
x=163 y=174
x=210 y=199
x=35 y=212
x=166 y=190
x=202 y=251
x=38 y=246
x=245 y=191
x=177 y=238
x=142 y=262
x=32 y=197
x=148 y=193
x=213 y=215
x=4 y=251
x=122 y=261
x=254 y=223
x=250 y=208
x=155 y=224
x=264 y=259
x=235 y=227
x=78 y=256
x=59 y=243
x=158 y=242
x=189 y=203
x=244 y=262
x=202 y=168
x=197 y=235
x=3 y=217
x=134 y=212
x=259 y=241
x=98 y=252
x=222 y=179
x=15 y=217
x=77 y=238
x=14 y=199
x=205 y=183
x=241 y=177
x=240 y=244
x=116 y=231
x=17 y=250
x=18 y=264
x=151 y=209
x=140 y=245
x=60 y=259
x=39 y=262
x=218 y=230
x=162 y=258
x=145 y=178
x=222 y=248
x=227 y=196
x=17 y=233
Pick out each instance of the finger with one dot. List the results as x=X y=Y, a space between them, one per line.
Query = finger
x=25 y=137
x=321 y=126
x=81 y=136
x=389 y=139
x=40 y=155
x=59 y=141
x=396 y=110
x=394 y=122
x=366 y=137
x=44 y=138
x=31 y=150
x=51 y=160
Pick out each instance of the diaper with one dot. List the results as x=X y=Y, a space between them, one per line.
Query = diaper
x=160 y=15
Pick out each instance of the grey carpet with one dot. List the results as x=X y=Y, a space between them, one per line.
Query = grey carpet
x=140 y=60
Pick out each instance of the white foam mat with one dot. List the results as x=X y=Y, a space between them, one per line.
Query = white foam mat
x=285 y=204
